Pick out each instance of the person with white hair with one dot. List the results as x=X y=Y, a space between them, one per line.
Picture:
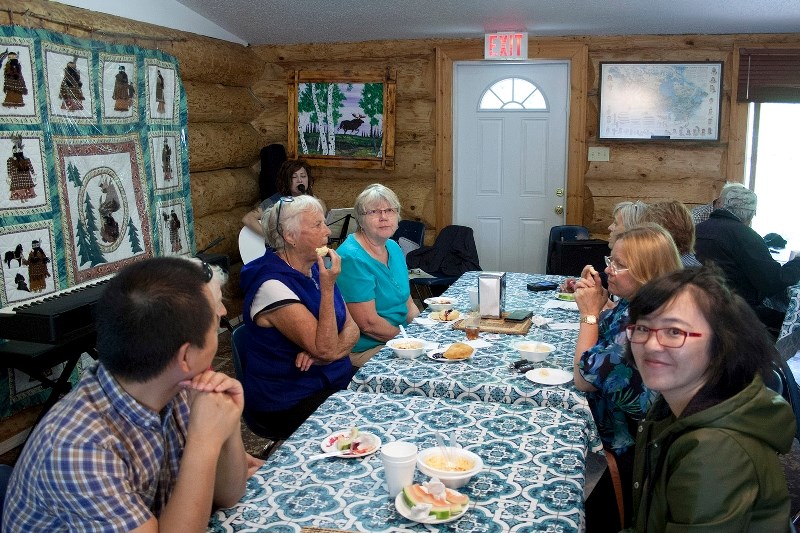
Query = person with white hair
x=701 y=213
x=727 y=239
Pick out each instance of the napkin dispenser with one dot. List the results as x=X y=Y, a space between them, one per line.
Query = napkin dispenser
x=492 y=294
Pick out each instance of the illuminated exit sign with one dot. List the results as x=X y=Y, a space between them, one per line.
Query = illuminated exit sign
x=506 y=45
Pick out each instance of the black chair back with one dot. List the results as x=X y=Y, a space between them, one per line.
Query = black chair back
x=570 y=249
x=412 y=230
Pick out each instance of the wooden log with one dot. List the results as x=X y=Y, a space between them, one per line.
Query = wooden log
x=215 y=145
x=201 y=58
x=215 y=61
x=221 y=190
x=657 y=161
x=209 y=102
x=226 y=225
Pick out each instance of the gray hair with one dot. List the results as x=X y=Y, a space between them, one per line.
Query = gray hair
x=740 y=201
x=372 y=195
x=289 y=208
x=630 y=212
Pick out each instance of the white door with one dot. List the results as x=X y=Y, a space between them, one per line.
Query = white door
x=510 y=160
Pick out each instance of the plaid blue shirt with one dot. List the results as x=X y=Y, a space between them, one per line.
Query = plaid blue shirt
x=99 y=461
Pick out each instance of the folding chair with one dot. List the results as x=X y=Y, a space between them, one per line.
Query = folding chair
x=239 y=340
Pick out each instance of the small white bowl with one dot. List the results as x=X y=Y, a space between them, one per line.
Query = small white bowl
x=439 y=303
x=451 y=479
x=407 y=353
x=534 y=350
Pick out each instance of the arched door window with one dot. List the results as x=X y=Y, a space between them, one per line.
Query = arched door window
x=512 y=94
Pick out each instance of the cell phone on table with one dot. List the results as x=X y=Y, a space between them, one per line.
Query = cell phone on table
x=518 y=316
x=542 y=286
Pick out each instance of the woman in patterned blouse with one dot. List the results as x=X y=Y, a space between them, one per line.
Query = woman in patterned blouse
x=617 y=397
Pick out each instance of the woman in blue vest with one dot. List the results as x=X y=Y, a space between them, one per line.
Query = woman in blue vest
x=302 y=332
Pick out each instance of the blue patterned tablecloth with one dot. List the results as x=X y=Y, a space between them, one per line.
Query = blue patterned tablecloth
x=486 y=376
x=532 y=481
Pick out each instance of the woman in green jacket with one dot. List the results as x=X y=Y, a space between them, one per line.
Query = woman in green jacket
x=706 y=454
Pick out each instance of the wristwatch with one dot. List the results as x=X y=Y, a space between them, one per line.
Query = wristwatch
x=589 y=319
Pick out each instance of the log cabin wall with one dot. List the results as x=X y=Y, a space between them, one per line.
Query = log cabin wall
x=217 y=77
x=691 y=172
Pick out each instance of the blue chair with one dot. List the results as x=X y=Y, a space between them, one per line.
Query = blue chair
x=5 y=475
x=412 y=230
x=239 y=340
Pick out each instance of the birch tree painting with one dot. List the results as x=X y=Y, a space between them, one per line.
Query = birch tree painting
x=340 y=119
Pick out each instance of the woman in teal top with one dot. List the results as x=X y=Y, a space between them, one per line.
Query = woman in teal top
x=374 y=277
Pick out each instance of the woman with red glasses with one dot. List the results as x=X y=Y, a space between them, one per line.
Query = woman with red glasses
x=616 y=395
x=706 y=455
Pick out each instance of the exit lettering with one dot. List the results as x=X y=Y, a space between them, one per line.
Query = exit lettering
x=506 y=45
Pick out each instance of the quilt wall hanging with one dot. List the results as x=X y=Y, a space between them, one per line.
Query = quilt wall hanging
x=97 y=172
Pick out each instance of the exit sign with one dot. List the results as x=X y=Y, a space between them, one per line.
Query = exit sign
x=505 y=45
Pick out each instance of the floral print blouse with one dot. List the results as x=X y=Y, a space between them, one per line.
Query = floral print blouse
x=621 y=400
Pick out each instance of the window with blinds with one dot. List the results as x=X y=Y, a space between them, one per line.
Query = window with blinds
x=769 y=75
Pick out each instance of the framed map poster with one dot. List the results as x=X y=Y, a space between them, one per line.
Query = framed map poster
x=660 y=101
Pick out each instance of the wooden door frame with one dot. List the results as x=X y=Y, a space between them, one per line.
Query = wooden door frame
x=578 y=55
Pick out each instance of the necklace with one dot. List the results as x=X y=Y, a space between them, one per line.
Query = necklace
x=310 y=275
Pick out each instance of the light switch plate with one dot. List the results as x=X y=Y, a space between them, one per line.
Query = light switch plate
x=599 y=153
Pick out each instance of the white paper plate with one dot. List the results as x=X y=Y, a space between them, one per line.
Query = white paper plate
x=549 y=376
x=437 y=355
x=328 y=444
x=404 y=510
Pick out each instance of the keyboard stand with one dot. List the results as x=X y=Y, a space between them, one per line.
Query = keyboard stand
x=35 y=359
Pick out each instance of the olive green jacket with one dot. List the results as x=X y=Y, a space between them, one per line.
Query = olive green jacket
x=716 y=467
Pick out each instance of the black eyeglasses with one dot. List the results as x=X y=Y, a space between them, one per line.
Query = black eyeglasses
x=288 y=200
x=207 y=272
x=666 y=337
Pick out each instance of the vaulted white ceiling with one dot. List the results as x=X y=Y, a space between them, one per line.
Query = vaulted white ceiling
x=319 y=21
x=312 y=21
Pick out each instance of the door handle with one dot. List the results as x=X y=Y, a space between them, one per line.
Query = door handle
x=559 y=192
x=559 y=210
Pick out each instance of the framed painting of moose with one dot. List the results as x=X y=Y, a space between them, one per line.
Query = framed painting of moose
x=342 y=119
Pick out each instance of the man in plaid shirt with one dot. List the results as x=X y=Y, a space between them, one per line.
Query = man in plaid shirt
x=150 y=438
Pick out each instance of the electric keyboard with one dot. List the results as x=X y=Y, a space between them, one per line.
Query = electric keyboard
x=53 y=317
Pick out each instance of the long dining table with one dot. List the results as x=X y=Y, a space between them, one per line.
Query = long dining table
x=487 y=375
x=533 y=476
x=533 y=438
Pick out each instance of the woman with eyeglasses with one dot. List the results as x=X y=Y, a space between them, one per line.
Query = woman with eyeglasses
x=301 y=330
x=706 y=455
x=374 y=278
x=617 y=397
x=625 y=216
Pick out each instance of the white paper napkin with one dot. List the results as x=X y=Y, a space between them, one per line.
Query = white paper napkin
x=426 y=321
x=539 y=321
x=559 y=304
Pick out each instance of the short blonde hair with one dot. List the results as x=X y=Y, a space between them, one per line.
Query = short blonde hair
x=650 y=252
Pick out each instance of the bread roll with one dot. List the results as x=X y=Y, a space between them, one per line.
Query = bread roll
x=322 y=251
x=458 y=350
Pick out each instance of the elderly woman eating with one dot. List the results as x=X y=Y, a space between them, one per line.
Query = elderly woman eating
x=617 y=398
x=302 y=332
x=374 y=278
